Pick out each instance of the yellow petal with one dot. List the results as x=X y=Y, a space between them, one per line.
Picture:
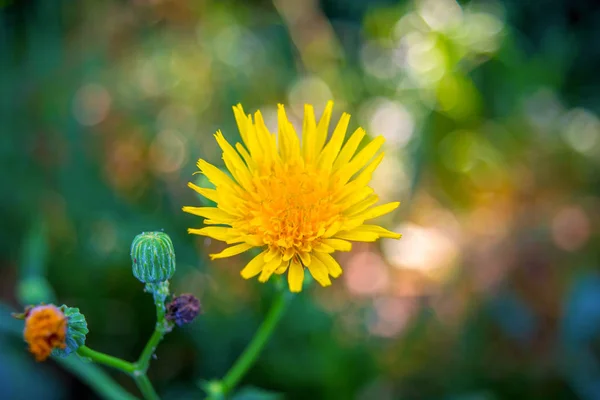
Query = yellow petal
x=349 y=149
x=378 y=211
x=234 y=162
x=210 y=212
x=210 y=194
x=332 y=230
x=295 y=276
x=266 y=140
x=232 y=251
x=332 y=265
x=246 y=156
x=254 y=267
x=360 y=160
x=382 y=232
x=361 y=180
x=323 y=127
x=332 y=148
x=367 y=233
x=254 y=240
x=361 y=206
x=288 y=139
x=247 y=132
x=218 y=177
x=323 y=248
x=338 y=244
x=223 y=234
x=273 y=251
x=319 y=271
x=253 y=143
x=281 y=269
x=284 y=137
x=288 y=253
x=358 y=236
x=269 y=268
x=309 y=132
x=355 y=197
x=242 y=121
x=305 y=257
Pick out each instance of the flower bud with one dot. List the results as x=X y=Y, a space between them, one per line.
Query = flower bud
x=183 y=309
x=77 y=330
x=153 y=257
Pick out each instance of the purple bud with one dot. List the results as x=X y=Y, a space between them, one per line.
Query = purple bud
x=183 y=309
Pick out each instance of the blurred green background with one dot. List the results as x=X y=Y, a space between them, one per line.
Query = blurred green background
x=493 y=147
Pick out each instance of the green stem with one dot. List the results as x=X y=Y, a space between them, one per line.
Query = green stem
x=159 y=291
x=251 y=353
x=105 y=359
x=144 y=361
x=145 y=387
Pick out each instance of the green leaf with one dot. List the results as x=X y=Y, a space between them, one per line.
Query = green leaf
x=254 y=393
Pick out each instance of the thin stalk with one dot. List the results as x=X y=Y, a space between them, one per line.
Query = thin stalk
x=251 y=353
x=144 y=361
x=160 y=292
x=146 y=387
x=107 y=360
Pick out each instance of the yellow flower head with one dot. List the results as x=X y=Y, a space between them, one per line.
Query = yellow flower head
x=297 y=200
x=45 y=330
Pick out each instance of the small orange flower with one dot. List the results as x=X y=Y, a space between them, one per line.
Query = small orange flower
x=45 y=329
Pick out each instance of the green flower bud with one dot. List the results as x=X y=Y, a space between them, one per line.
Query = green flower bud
x=153 y=257
x=76 y=331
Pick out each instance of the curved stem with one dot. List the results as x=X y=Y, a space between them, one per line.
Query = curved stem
x=145 y=387
x=105 y=359
x=251 y=353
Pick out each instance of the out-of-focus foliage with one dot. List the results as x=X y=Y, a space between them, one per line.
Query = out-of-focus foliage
x=490 y=110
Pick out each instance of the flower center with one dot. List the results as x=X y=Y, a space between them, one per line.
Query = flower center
x=292 y=208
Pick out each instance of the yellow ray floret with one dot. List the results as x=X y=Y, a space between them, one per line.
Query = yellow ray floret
x=297 y=200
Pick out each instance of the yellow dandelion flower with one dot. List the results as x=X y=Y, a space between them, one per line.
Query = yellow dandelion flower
x=297 y=200
x=45 y=330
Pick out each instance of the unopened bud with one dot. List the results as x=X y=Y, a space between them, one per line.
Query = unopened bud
x=153 y=257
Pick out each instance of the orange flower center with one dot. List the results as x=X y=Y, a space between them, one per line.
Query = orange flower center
x=292 y=207
x=45 y=329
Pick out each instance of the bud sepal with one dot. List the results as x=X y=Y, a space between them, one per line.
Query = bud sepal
x=77 y=331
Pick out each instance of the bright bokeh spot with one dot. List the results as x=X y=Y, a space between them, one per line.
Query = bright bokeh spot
x=177 y=117
x=392 y=315
x=581 y=130
x=91 y=104
x=168 y=152
x=571 y=228
x=366 y=273
x=238 y=47
x=391 y=169
x=392 y=120
x=439 y=14
x=421 y=248
x=309 y=90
